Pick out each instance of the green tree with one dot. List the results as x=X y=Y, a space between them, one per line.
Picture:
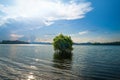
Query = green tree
x=63 y=43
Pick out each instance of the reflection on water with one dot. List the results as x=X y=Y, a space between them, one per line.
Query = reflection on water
x=34 y=62
x=63 y=60
x=63 y=55
x=31 y=76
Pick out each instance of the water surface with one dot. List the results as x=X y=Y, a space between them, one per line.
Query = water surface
x=40 y=62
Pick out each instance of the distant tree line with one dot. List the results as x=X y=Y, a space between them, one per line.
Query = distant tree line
x=56 y=40
x=109 y=43
x=13 y=42
x=98 y=43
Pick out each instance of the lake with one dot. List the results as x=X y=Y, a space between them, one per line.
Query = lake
x=39 y=62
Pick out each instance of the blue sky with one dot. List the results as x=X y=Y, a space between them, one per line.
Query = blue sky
x=42 y=20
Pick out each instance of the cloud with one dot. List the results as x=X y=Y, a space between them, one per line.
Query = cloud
x=49 y=35
x=15 y=36
x=45 y=12
x=43 y=40
x=83 y=32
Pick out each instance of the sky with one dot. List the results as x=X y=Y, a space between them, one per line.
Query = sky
x=42 y=20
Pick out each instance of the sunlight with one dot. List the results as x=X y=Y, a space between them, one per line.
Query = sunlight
x=30 y=77
x=33 y=67
x=59 y=40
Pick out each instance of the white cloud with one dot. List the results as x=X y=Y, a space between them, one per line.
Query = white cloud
x=83 y=32
x=43 y=40
x=15 y=36
x=44 y=11
x=80 y=40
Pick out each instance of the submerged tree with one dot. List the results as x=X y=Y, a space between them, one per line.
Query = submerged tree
x=63 y=43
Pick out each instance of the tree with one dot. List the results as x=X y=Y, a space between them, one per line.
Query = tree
x=63 y=43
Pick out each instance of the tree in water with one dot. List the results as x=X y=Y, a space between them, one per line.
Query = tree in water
x=63 y=43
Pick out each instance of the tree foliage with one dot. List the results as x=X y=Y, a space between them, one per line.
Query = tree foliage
x=62 y=43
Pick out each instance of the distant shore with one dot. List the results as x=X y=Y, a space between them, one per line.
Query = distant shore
x=48 y=43
x=13 y=42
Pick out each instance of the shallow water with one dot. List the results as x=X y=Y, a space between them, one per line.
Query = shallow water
x=39 y=62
